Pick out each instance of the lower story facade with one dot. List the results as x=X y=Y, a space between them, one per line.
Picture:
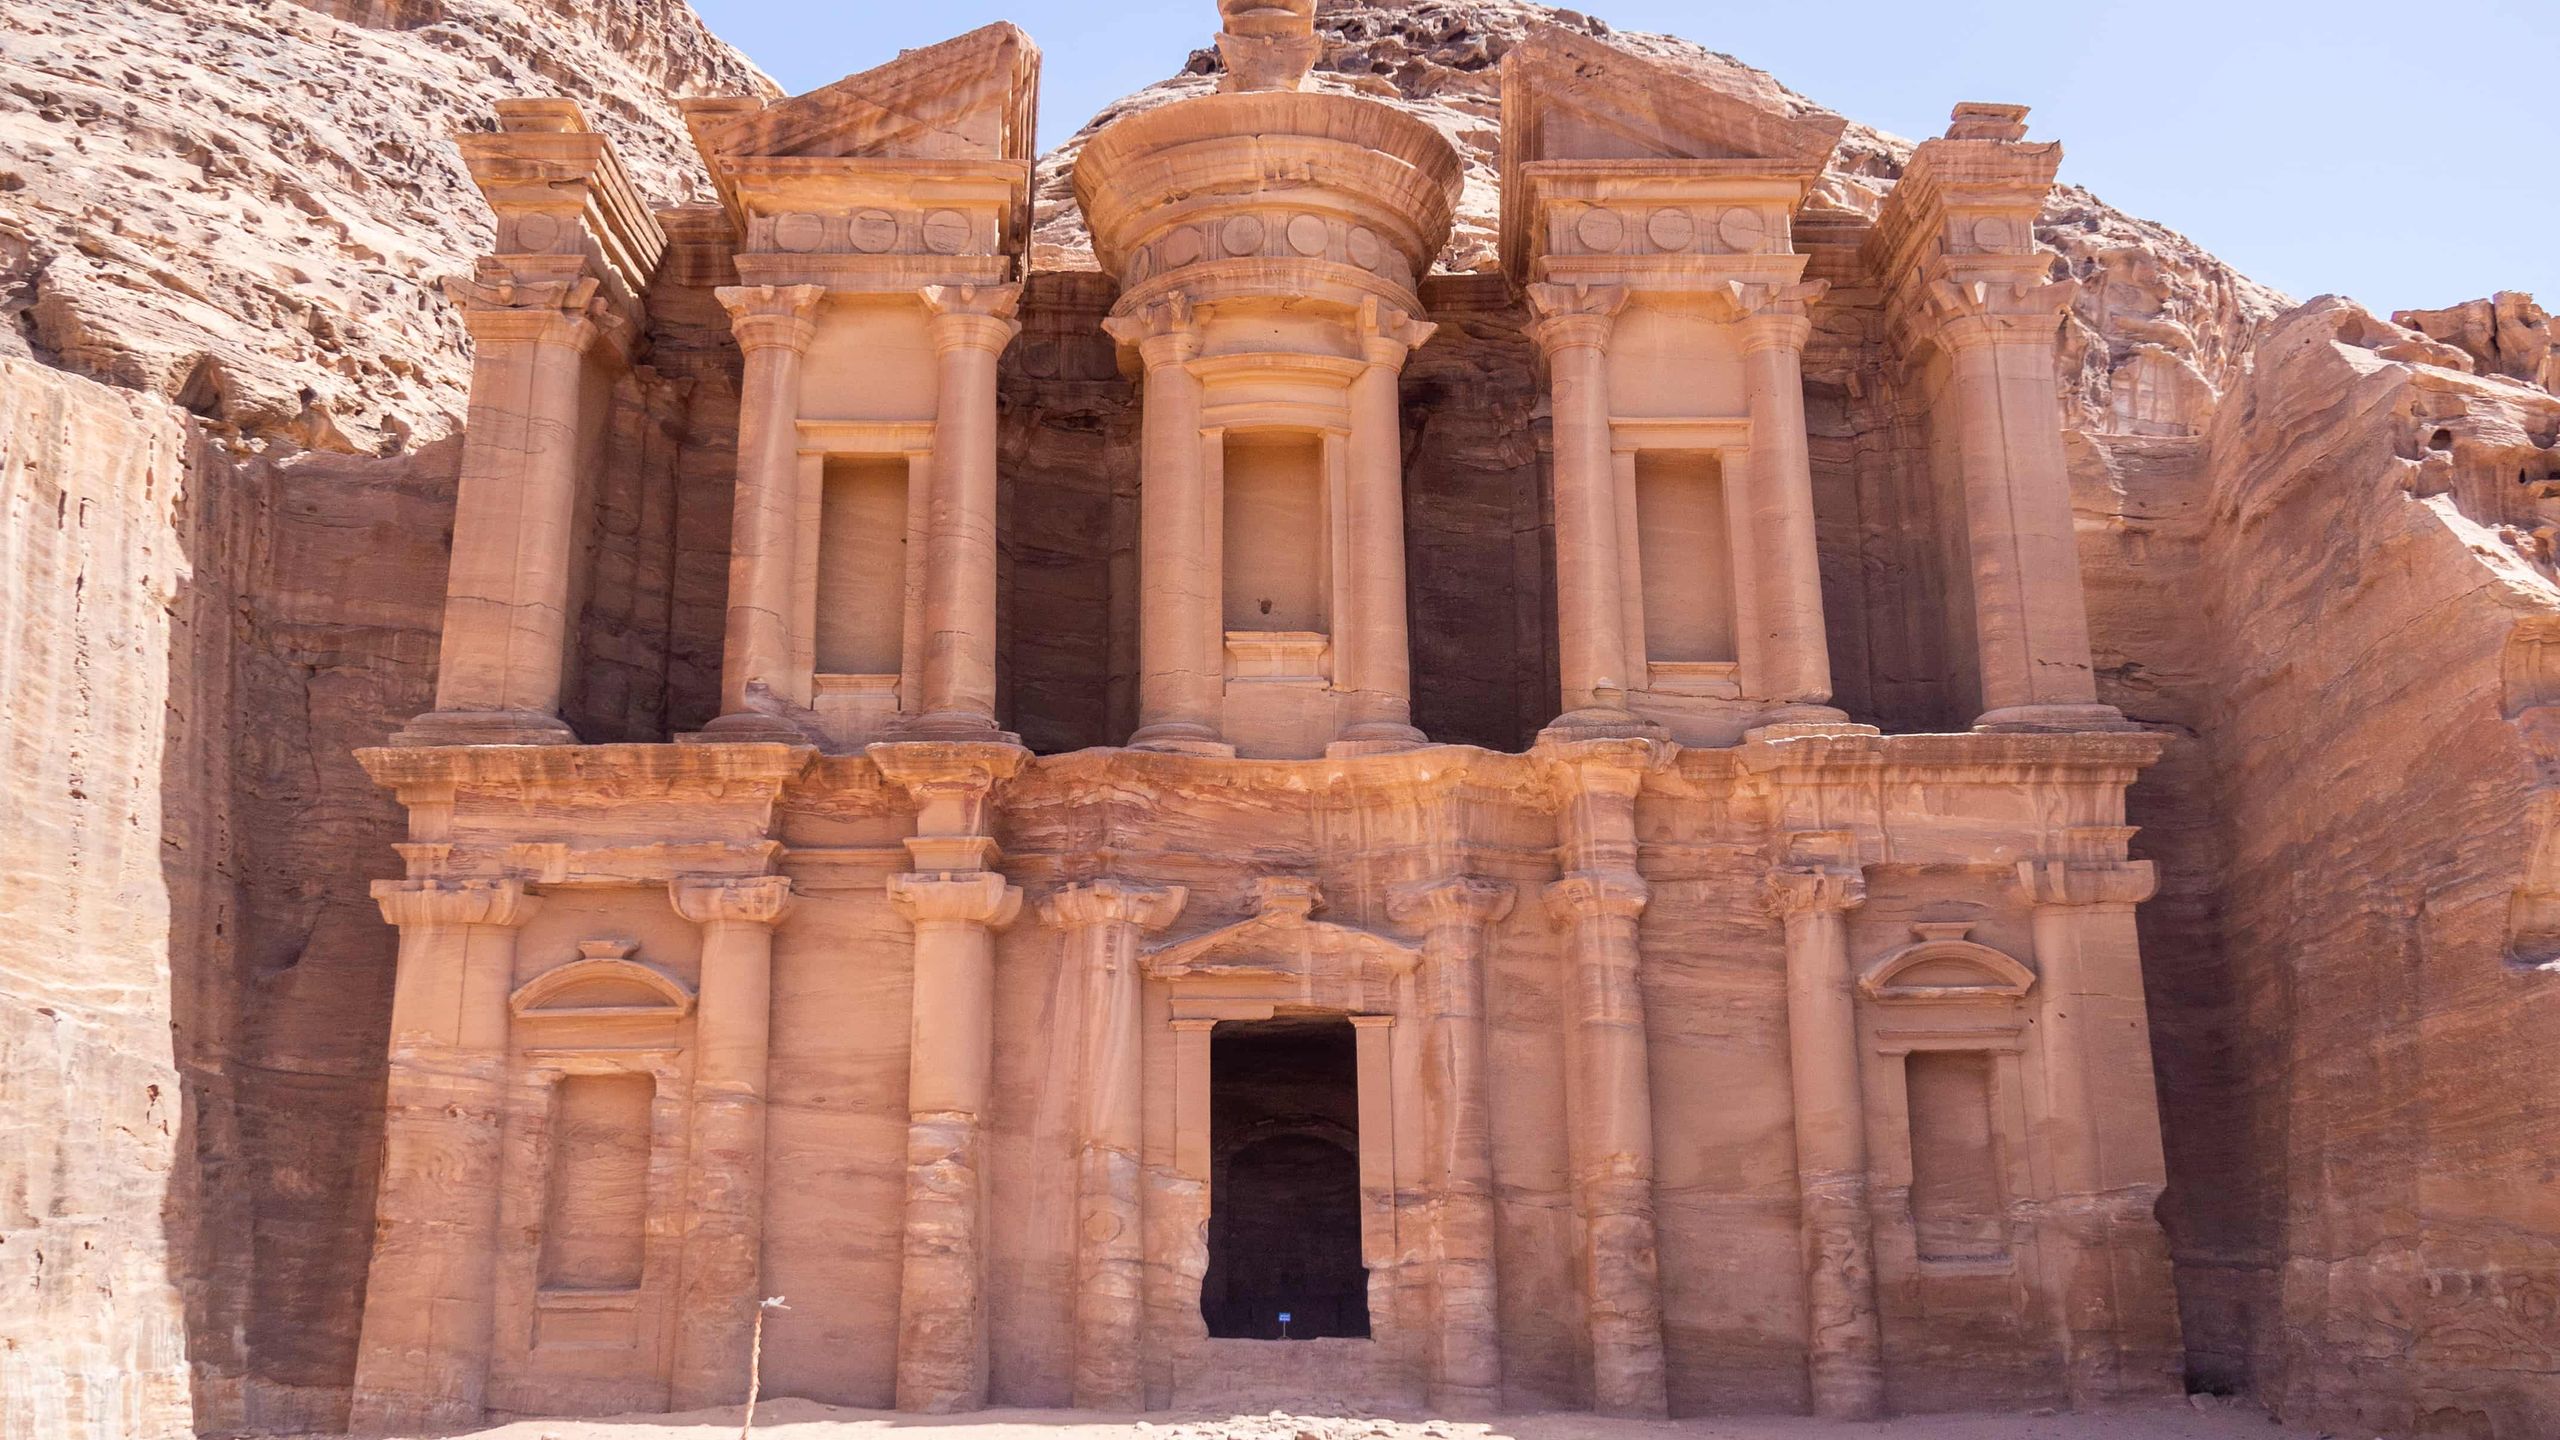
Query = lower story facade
x=1808 y=1074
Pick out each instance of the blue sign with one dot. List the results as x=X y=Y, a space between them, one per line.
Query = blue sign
x=1284 y=1317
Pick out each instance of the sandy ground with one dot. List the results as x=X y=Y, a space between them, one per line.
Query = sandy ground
x=2202 y=1419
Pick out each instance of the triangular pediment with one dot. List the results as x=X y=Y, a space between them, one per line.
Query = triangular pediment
x=970 y=98
x=1567 y=96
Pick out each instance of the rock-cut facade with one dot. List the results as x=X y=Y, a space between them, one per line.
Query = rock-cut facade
x=1705 y=1049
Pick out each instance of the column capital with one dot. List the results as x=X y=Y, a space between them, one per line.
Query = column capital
x=1101 y=902
x=1598 y=894
x=1965 y=313
x=1389 y=333
x=1773 y=317
x=972 y=317
x=496 y=311
x=764 y=316
x=730 y=900
x=455 y=902
x=967 y=898
x=1164 y=331
x=1574 y=316
x=1793 y=890
x=1452 y=900
x=2082 y=882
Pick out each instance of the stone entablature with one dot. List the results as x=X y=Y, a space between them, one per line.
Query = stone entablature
x=1712 y=1025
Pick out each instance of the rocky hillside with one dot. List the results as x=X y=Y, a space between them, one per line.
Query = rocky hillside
x=247 y=206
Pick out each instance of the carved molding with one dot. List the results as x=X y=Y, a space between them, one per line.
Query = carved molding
x=722 y=900
x=455 y=902
x=1942 y=966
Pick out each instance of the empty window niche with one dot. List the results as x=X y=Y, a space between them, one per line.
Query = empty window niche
x=596 y=1207
x=1684 y=547
x=862 y=566
x=1956 y=1195
x=1275 y=549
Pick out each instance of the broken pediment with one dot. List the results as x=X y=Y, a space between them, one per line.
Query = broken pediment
x=973 y=97
x=1284 y=949
x=1567 y=96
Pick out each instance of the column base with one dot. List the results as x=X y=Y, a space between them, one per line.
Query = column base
x=484 y=727
x=964 y=726
x=1599 y=722
x=2051 y=719
x=749 y=727
x=1181 y=737
x=1375 y=737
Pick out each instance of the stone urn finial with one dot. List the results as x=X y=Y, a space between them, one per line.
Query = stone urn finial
x=1267 y=44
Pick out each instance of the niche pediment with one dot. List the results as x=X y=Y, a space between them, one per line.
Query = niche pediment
x=605 y=983
x=1942 y=966
x=1283 y=953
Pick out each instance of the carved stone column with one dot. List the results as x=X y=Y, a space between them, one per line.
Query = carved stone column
x=956 y=901
x=1466 y=1352
x=2105 y=1256
x=1572 y=330
x=719 y=1284
x=2031 y=623
x=1793 y=654
x=1608 y=1086
x=503 y=660
x=1374 y=664
x=1844 y=1357
x=774 y=325
x=1103 y=920
x=971 y=326
x=1181 y=630
x=430 y=1299
x=942 y=1335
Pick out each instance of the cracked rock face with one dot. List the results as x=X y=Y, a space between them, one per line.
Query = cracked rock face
x=245 y=206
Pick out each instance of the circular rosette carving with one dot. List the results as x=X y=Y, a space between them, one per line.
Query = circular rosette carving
x=799 y=233
x=1601 y=231
x=874 y=231
x=1742 y=230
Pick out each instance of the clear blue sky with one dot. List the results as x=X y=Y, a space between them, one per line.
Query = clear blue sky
x=2407 y=155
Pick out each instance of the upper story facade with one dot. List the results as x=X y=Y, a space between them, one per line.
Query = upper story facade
x=835 y=461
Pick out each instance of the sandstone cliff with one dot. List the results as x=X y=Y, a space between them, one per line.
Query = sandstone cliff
x=2317 y=549
x=247 y=206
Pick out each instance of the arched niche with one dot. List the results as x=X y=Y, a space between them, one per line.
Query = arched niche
x=605 y=983
x=1942 y=967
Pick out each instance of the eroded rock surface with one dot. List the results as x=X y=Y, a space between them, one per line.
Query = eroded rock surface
x=247 y=206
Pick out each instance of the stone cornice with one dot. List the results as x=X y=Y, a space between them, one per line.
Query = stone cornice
x=559 y=191
x=603 y=770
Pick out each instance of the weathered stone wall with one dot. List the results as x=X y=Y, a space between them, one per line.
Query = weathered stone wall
x=107 y=877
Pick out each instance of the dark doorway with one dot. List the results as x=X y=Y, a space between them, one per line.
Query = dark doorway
x=1284 y=1190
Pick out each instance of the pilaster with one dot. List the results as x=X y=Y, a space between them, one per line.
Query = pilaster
x=2106 y=1259
x=1372 y=653
x=1608 y=1084
x=774 y=325
x=1812 y=895
x=1104 y=920
x=1455 y=916
x=1572 y=328
x=956 y=902
x=430 y=1298
x=1181 y=637
x=971 y=325
x=719 y=1287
